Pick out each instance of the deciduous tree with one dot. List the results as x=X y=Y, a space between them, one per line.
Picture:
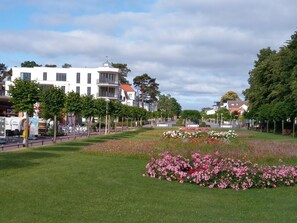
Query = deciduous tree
x=52 y=102
x=24 y=94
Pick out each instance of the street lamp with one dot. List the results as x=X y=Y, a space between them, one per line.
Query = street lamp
x=106 y=115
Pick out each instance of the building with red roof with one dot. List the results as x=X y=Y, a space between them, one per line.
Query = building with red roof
x=127 y=95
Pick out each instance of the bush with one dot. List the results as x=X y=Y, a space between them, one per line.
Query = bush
x=179 y=122
x=215 y=171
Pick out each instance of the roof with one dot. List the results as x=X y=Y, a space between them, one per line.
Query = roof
x=127 y=87
x=236 y=104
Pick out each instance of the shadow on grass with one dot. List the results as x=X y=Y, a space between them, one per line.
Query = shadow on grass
x=76 y=145
x=14 y=160
x=21 y=159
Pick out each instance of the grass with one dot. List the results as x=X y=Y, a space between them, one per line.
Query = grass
x=63 y=183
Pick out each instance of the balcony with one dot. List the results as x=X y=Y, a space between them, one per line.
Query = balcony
x=106 y=95
x=107 y=82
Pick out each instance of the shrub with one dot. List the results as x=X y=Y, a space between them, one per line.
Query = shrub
x=215 y=171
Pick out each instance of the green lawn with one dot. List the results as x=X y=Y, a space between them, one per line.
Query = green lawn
x=60 y=183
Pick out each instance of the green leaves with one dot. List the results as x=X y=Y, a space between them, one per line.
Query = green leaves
x=273 y=89
x=148 y=88
x=24 y=95
x=52 y=102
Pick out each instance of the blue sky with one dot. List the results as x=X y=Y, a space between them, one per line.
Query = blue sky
x=196 y=49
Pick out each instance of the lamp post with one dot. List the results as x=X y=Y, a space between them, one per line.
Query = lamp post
x=106 y=115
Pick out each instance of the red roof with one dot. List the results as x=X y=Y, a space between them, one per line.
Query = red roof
x=127 y=87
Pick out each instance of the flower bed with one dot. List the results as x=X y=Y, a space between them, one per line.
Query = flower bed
x=214 y=171
x=221 y=136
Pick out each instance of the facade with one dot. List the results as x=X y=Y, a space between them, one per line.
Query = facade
x=127 y=95
x=101 y=82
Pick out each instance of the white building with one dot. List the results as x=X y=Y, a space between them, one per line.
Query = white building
x=127 y=95
x=101 y=82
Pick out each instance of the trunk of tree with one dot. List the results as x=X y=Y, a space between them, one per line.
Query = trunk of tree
x=283 y=127
x=142 y=100
x=274 y=126
x=89 y=125
x=109 y=121
x=106 y=125
x=27 y=127
x=100 y=124
x=267 y=125
x=55 y=129
x=74 y=124
x=294 y=127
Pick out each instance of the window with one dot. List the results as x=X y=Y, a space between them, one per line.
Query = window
x=60 y=76
x=44 y=76
x=77 y=78
x=26 y=76
x=63 y=88
x=89 y=91
x=45 y=86
x=89 y=78
x=78 y=89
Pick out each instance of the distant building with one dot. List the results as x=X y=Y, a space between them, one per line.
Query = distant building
x=127 y=95
x=237 y=106
x=214 y=109
x=101 y=82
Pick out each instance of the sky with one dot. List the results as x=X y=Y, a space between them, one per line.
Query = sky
x=196 y=49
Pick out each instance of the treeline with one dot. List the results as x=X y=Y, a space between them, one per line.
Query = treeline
x=272 y=94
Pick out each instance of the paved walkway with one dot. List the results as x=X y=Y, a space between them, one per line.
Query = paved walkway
x=14 y=143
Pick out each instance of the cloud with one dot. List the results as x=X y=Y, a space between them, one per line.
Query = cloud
x=197 y=50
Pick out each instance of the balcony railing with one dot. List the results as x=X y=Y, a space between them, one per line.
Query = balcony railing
x=106 y=81
x=106 y=95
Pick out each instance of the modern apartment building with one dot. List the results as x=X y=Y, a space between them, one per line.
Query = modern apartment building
x=101 y=82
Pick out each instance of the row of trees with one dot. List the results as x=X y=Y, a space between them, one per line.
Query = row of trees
x=272 y=93
x=54 y=104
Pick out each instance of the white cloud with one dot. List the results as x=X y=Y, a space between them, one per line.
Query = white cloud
x=196 y=49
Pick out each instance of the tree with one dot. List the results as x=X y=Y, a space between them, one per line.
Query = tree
x=176 y=107
x=52 y=103
x=66 y=65
x=50 y=65
x=192 y=115
x=3 y=74
x=169 y=106
x=273 y=81
x=30 y=64
x=229 y=95
x=124 y=70
x=100 y=105
x=148 y=88
x=24 y=94
x=88 y=109
x=223 y=113
x=73 y=104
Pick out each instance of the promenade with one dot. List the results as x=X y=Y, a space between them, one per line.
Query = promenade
x=15 y=143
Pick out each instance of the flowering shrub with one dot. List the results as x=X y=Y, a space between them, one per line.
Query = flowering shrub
x=224 y=135
x=182 y=134
x=215 y=171
x=221 y=136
